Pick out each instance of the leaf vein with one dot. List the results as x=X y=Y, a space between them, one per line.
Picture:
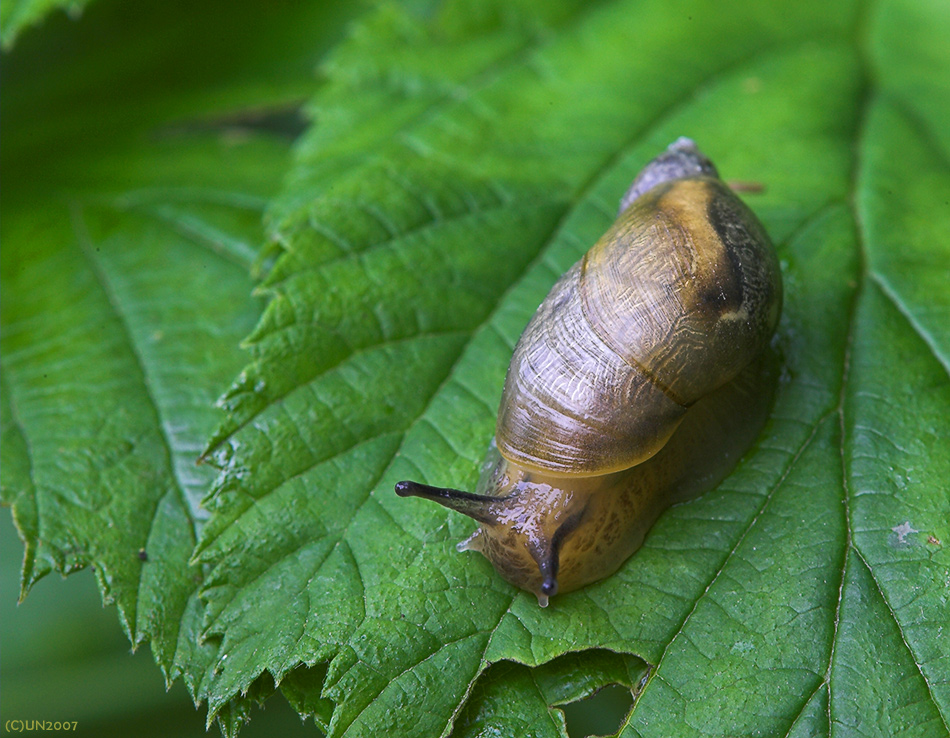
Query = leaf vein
x=84 y=242
x=892 y=296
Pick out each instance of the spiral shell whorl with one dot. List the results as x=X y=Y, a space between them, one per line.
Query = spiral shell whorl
x=672 y=302
x=567 y=397
x=684 y=286
x=680 y=160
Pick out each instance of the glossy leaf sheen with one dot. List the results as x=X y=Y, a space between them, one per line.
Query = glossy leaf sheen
x=463 y=156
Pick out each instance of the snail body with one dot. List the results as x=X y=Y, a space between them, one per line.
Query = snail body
x=638 y=383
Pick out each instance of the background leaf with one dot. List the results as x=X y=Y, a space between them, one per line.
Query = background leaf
x=16 y=15
x=463 y=155
x=130 y=225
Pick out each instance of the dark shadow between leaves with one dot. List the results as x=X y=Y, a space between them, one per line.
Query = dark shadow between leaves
x=601 y=714
x=586 y=693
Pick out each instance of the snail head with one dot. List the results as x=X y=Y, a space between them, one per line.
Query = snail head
x=523 y=529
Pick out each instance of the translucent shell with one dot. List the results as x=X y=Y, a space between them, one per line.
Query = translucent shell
x=671 y=303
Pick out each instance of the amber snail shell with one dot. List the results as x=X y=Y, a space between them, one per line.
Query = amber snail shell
x=638 y=383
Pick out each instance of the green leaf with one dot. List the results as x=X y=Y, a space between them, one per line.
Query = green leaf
x=17 y=15
x=463 y=155
x=130 y=224
x=384 y=231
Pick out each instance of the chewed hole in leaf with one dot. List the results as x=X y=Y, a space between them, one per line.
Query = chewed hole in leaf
x=600 y=714
x=589 y=693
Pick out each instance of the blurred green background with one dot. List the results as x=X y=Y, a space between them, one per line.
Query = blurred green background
x=63 y=656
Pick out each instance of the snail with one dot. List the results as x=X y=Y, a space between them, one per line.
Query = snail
x=641 y=379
